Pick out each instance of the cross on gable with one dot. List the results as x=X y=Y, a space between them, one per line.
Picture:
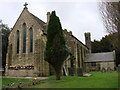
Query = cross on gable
x=25 y=4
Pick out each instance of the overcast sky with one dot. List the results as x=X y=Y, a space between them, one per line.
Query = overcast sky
x=78 y=17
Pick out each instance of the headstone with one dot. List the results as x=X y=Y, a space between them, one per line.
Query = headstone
x=109 y=70
x=118 y=68
x=70 y=70
x=103 y=70
x=79 y=72
x=87 y=70
x=114 y=68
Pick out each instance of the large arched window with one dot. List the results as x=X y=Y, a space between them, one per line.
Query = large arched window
x=24 y=38
x=78 y=54
x=18 y=41
x=31 y=40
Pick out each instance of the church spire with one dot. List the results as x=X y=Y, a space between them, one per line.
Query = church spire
x=25 y=5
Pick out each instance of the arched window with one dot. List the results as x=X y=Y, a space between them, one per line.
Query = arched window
x=78 y=55
x=17 y=41
x=24 y=38
x=31 y=40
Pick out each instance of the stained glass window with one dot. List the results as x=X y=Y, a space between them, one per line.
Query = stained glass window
x=31 y=40
x=17 y=41
x=24 y=38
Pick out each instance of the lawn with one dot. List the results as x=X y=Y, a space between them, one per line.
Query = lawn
x=97 y=80
x=6 y=81
x=0 y=83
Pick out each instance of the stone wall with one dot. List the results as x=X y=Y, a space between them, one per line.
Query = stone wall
x=22 y=59
x=41 y=66
x=20 y=73
x=77 y=48
x=106 y=65
x=99 y=66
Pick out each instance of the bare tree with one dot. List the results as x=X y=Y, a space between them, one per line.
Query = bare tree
x=110 y=12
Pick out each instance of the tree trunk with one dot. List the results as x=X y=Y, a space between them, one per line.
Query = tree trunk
x=58 y=73
x=58 y=76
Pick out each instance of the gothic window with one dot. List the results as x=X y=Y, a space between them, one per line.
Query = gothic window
x=78 y=54
x=17 y=41
x=24 y=38
x=31 y=40
x=81 y=55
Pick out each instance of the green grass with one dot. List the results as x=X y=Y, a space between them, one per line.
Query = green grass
x=97 y=80
x=0 y=83
x=6 y=81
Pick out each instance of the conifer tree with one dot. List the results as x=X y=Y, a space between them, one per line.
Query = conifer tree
x=4 y=33
x=56 y=51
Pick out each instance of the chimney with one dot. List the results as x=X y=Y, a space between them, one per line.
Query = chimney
x=88 y=40
x=48 y=17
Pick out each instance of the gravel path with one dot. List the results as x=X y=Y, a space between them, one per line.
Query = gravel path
x=41 y=78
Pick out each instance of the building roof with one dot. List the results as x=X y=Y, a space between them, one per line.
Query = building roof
x=70 y=33
x=100 y=57
x=80 y=41
x=42 y=23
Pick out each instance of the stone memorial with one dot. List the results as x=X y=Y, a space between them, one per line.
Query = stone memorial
x=70 y=70
x=118 y=69
x=87 y=70
x=79 y=72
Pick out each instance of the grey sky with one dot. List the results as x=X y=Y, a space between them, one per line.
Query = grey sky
x=78 y=17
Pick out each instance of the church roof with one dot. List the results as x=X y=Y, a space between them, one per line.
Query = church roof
x=79 y=41
x=42 y=23
x=100 y=57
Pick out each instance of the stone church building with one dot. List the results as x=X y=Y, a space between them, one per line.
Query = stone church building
x=27 y=42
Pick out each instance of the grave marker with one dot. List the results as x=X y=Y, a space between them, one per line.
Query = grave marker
x=79 y=72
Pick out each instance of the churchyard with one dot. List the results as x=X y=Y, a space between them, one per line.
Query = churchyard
x=96 y=80
x=13 y=82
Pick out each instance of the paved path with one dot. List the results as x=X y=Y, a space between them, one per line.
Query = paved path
x=41 y=78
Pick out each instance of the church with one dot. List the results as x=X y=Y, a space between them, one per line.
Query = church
x=27 y=42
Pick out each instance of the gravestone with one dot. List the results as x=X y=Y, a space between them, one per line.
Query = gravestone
x=109 y=70
x=79 y=72
x=87 y=70
x=114 y=68
x=103 y=70
x=70 y=70
x=118 y=70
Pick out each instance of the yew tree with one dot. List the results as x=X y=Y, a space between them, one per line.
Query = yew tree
x=56 y=52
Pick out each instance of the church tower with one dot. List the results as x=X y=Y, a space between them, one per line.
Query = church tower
x=88 y=40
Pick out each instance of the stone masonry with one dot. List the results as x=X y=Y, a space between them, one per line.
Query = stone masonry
x=21 y=62
x=31 y=62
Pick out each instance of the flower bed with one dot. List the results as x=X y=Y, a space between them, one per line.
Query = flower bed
x=29 y=67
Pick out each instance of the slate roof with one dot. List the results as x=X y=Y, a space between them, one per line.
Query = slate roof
x=100 y=57
x=42 y=23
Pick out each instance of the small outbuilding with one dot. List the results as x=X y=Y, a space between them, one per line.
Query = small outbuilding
x=100 y=61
